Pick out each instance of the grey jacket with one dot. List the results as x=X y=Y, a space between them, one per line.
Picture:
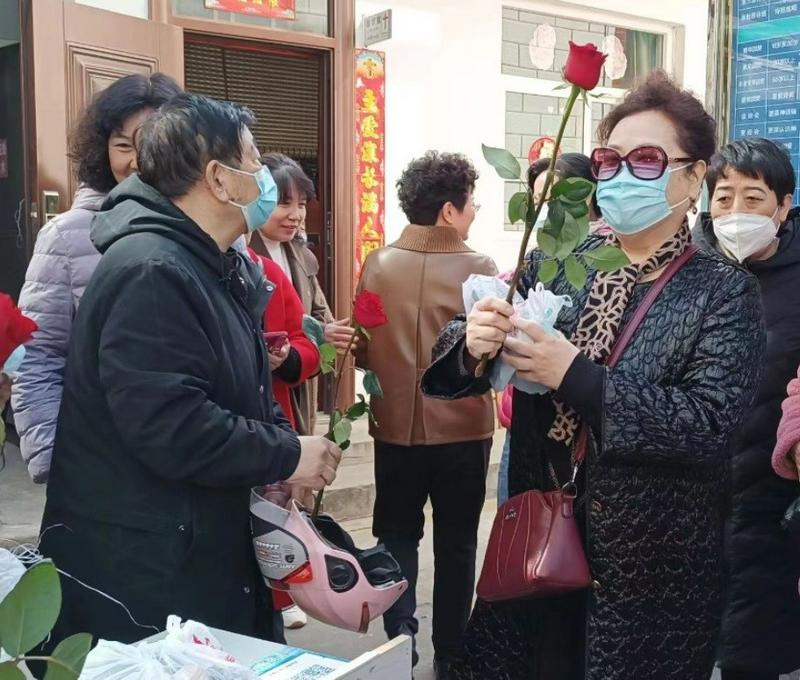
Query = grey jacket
x=63 y=261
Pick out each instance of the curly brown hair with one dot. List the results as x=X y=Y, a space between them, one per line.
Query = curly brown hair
x=433 y=180
x=105 y=115
x=696 y=129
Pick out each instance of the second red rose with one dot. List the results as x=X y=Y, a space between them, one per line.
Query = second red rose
x=368 y=310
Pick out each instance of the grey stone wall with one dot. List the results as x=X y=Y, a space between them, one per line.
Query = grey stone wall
x=518 y=28
x=529 y=117
x=599 y=111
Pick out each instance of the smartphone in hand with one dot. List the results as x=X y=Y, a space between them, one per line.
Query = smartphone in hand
x=276 y=340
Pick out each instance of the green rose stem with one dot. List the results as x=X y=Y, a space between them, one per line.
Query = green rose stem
x=532 y=215
x=339 y=373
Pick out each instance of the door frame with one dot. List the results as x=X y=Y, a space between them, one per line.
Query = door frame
x=340 y=48
x=30 y=219
x=64 y=54
x=325 y=189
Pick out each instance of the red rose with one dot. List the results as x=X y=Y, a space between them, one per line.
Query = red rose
x=368 y=310
x=15 y=328
x=583 y=66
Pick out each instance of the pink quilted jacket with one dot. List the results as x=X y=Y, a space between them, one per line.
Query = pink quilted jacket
x=788 y=432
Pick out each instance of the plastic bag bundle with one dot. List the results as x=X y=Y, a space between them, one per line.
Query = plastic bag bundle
x=11 y=571
x=116 y=661
x=188 y=652
x=541 y=306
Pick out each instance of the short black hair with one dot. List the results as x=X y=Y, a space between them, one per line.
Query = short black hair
x=433 y=180
x=105 y=115
x=754 y=157
x=288 y=175
x=178 y=142
x=567 y=165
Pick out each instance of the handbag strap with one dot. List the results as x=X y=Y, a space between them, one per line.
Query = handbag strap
x=582 y=444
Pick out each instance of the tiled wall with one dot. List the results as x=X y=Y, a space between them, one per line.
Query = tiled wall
x=518 y=28
x=530 y=116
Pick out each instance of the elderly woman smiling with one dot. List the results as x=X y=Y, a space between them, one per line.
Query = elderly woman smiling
x=652 y=489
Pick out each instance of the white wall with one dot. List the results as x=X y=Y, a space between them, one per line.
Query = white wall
x=444 y=91
x=135 y=8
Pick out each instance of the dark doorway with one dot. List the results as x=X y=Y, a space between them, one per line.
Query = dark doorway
x=285 y=88
x=13 y=246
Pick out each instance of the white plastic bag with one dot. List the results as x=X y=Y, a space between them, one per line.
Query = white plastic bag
x=188 y=652
x=193 y=645
x=116 y=661
x=541 y=306
x=11 y=571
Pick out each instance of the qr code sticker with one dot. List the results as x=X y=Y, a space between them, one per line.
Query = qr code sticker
x=314 y=672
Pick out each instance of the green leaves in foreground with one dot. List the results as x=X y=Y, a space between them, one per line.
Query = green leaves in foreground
x=572 y=190
x=575 y=272
x=603 y=258
x=502 y=161
x=565 y=229
x=9 y=671
x=606 y=258
x=313 y=330
x=69 y=657
x=27 y=615
x=327 y=353
x=29 y=612
x=372 y=385
x=518 y=206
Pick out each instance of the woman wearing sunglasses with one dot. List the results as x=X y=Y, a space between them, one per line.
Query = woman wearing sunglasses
x=652 y=489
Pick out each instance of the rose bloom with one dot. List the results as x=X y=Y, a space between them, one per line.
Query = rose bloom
x=368 y=310
x=15 y=328
x=584 y=64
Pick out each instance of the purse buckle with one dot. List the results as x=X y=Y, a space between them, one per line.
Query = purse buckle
x=570 y=490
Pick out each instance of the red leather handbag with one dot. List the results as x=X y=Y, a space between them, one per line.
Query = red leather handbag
x=535 y=547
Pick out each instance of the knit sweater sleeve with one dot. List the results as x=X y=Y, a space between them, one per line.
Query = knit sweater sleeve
x=788 y=432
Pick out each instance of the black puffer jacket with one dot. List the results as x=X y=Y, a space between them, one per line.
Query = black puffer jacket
x=655 y=485
x=761 y=626
x=167 y=421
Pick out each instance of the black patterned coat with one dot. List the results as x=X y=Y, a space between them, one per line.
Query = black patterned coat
x=654 y=488
x=761 y=624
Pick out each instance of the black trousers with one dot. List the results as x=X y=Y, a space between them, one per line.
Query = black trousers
x=453 y=476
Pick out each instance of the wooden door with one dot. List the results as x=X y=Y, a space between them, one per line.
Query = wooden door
x=74 y=52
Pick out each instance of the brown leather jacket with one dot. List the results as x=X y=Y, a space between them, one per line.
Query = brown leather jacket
x=419 y=278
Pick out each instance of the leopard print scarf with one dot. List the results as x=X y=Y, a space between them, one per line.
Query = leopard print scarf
x=601 y=317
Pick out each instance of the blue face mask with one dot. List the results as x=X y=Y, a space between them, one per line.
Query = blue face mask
x=631 y=205
x=14 y=361
x=257 y=212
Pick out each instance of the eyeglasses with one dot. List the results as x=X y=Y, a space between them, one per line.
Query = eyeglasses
x=476 y=206
x=646 y=162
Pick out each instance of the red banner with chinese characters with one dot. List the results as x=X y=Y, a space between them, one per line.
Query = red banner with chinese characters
x=370 y=154
x=274 y=9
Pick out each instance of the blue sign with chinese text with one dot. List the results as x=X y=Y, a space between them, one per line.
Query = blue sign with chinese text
x=765 y=101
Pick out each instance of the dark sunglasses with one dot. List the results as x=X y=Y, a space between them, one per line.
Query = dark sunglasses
x=644 y=162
